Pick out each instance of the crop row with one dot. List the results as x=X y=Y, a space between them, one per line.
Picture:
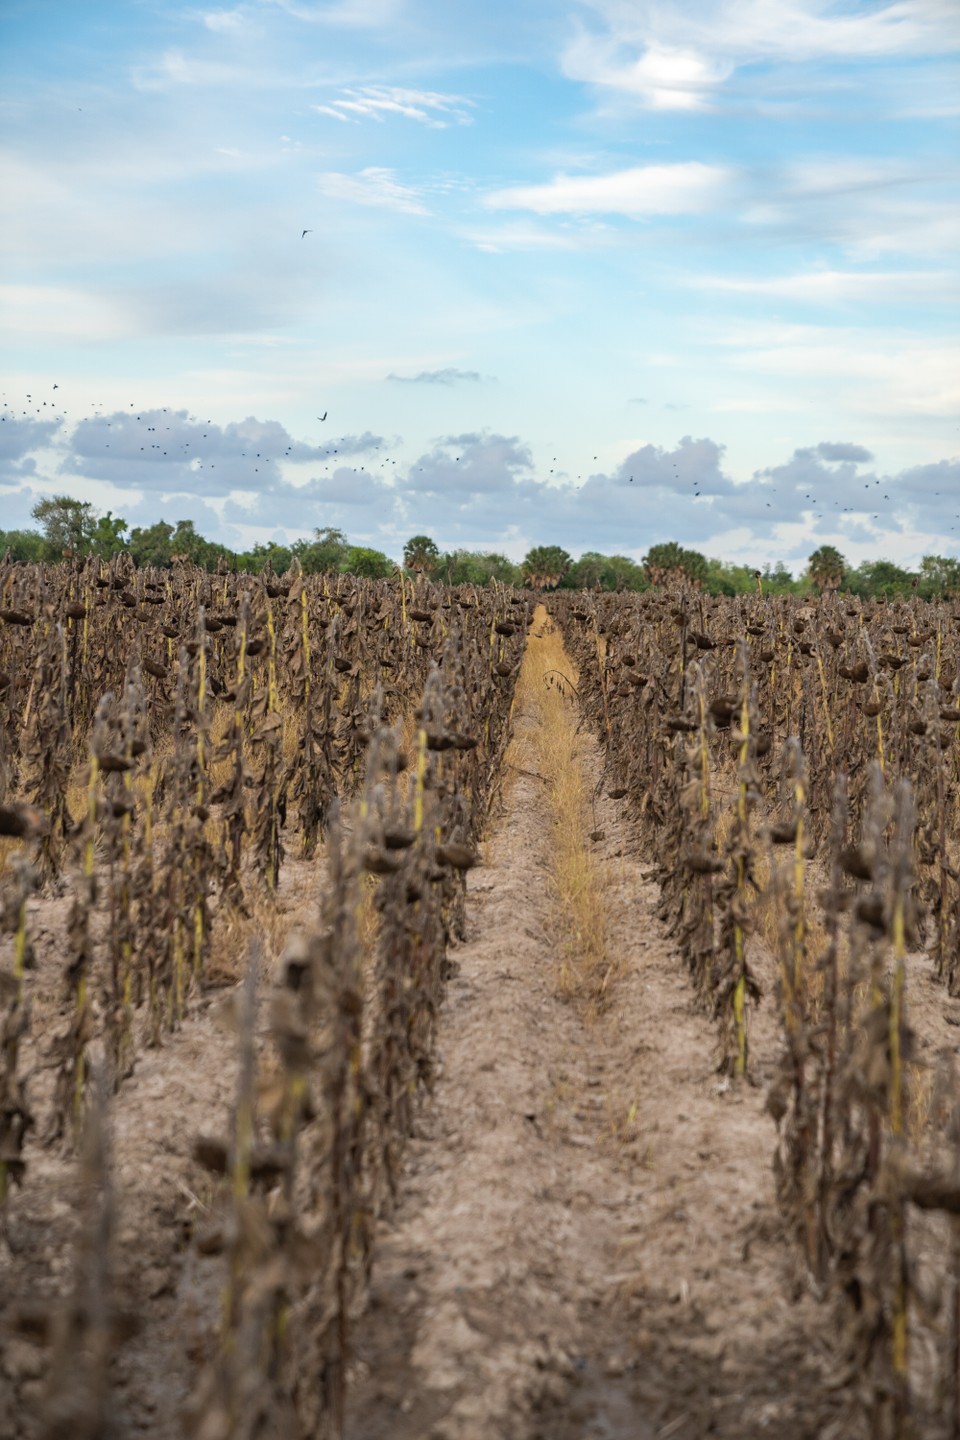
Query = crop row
x=796 y=767
x=168 y=741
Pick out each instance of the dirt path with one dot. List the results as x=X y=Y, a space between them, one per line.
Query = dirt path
x=587 y=1241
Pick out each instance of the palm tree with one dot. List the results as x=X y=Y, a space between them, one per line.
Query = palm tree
x=421 y=554
x=545 y=566
x=826 y=568
x=671 y=566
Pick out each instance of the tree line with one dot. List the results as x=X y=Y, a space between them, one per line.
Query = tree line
x=67 y=527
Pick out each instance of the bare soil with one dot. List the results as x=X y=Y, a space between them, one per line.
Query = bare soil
x=167 y=1295
x=587 y=1241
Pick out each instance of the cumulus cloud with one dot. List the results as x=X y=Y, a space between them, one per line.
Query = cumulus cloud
x=171 y=450
x=474 y=488
x=840 y=450
x=19 y=437
x=471 y=465
x=21 y=434
x=350 y=492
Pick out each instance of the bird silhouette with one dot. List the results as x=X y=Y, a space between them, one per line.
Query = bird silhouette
x=305 y=232
x=323 y=416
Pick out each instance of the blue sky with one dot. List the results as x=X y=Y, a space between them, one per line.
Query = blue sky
x=594 y=272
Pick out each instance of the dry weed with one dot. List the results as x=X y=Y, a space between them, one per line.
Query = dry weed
x=553 y=750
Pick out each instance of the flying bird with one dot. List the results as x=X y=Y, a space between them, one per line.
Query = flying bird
x=323 y=417
x=305 y=232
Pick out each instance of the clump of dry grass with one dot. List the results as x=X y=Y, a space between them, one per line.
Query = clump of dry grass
x=553 y=749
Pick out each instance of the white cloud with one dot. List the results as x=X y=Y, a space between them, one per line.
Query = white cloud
x=878 y=374
x=373 y=185
x=831 y=176
x=683 y=189
x=869 y=207
x=376 y=102
x=351 y=14
x=176 y=70
x=61 y=313
x=449 y=375
x=522 y=235
x=674 y=56
x=225 y=22
x=665 y=78
x=826 y=286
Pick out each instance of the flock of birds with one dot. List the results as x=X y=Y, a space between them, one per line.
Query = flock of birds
x=34 y=407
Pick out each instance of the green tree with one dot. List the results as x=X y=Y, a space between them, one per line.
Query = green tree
x=475 y=567
x=324 y=554
x=421 y=554
x=591 y=570
x=723 y=578
x=151 y=544
x=826 y=568
x=74 y=527
x=610 y=572
x=370 y=564
x=879 y=577
x=670 y=564
x=108 y=537
x=939 y=575
x=278 y=557
x=545 y=566
x=627 y=574
x=67 y=525
x=26 y=546
x=779 y=578
x=187 y=543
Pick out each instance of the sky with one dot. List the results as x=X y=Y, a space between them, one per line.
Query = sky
x=596 y=273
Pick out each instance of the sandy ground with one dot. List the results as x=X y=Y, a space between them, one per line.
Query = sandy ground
x=587 y=1241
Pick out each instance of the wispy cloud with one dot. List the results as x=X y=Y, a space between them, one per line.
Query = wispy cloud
x=63 y=314
x=447 y=376
x=377 y=102
x=226 y=22
x=374 y=185
x=176 y=70
x=676 y=57
x=893 y=373
x=827 y=286
x=869 y=207
x=351 y=14
x=663 y=77
x=522 y=235
x=683 y=189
